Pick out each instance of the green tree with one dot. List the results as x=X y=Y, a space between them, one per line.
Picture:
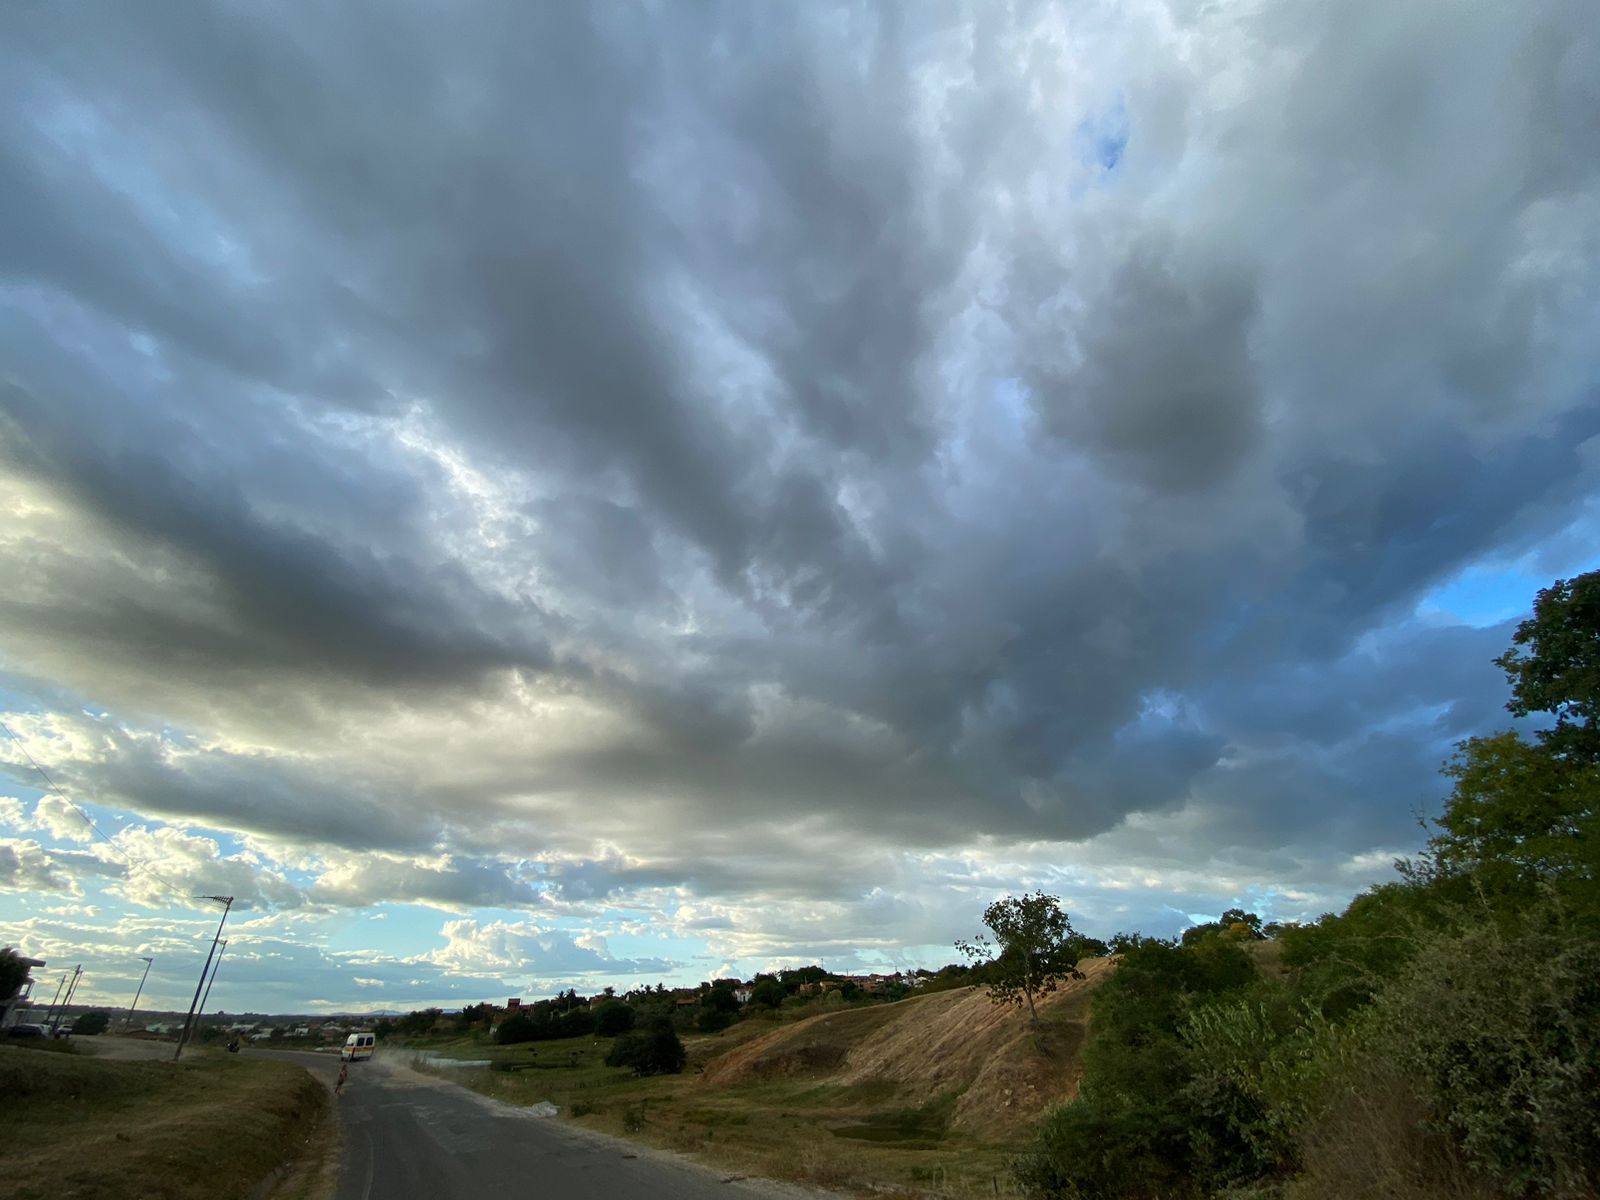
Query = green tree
x=91 y=1023
x=13 y=971
x=1034 y=948
x=417 y=1024
x=768 y=993
x=474 y=1014
x=713 y=1020
x=1519 y=816
x=1244 y=926
x=1554 y=666
x=720 y=999
x=515 y=1029
x=655 y=1051
x=613 y=1018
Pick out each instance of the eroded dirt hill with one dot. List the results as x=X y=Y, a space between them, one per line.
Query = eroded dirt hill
x=1002 y=1072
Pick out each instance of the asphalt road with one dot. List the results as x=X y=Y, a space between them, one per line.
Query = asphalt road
x=410 y=1137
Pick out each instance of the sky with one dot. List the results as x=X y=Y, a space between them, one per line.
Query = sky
x=573 y=495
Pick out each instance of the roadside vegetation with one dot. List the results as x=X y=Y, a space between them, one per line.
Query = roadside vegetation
x=794 y=1122
x=212 y=1127
x=1437 y=1040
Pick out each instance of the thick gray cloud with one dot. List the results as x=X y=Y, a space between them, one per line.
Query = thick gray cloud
x=594 y=430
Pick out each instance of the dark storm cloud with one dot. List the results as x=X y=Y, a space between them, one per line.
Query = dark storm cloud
x=858 y=443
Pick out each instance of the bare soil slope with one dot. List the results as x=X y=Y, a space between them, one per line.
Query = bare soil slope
x=1001 y=1071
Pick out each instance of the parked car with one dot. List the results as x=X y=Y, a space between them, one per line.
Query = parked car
x=28 y=1031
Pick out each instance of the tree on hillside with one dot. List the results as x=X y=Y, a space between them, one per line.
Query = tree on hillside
x=768 y=993
x=1525 y=815
x=654 y=1051
x=1559 y=671
x=1245 y=926
x=1518 y=817
x=720 y=999
x=1033 y=949
x=613 y=1018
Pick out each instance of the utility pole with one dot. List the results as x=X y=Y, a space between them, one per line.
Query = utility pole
x=77 y=974
x=227 y=904
x=128 y=1020
x=63 y=997
x=201 y=1015
x=51 y=1011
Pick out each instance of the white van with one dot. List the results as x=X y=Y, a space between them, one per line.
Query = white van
x=357 y=1047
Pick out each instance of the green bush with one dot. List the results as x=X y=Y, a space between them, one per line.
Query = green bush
x=655 y=1051
x=1503 y=1031
x=713 y=1020
x=91 y=1023
x=1170 y=1103
x=613 y=1018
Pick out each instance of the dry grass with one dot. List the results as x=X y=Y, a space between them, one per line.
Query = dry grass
x=210 y=1128
x=929 y=1097
x=1374 y=1141
x=1005 y=1071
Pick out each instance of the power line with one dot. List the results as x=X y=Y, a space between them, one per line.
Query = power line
x=50 y=784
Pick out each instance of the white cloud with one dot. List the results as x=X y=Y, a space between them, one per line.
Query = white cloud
x=929 y=457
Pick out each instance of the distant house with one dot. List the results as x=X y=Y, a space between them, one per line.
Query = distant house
x=686 y=1001
x=743 y=994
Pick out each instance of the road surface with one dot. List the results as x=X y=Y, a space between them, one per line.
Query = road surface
x=410 y=1137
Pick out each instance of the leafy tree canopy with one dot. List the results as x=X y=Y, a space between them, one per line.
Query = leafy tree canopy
x=1519 y=815
x=612 y=1018
x=655 y=1051
x=12 y=972
x=1034 y=948
x=1554 y=666
x=768 y=993
x=91 y=1023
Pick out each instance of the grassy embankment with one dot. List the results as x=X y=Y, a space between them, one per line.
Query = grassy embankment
x=932 y=1095
x=212 y=1127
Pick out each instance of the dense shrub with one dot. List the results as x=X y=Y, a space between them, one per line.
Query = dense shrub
x=1438 y=1040
x=1498 y=1033
x=91 y=1023
x=514 y=1029
x=768 y=993
x=654 y=1051
x=544 y=1022
x=612 y=1018
x=1165 y=1108
x=720 y=999
x=417 y=1024
x=713 y=1020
